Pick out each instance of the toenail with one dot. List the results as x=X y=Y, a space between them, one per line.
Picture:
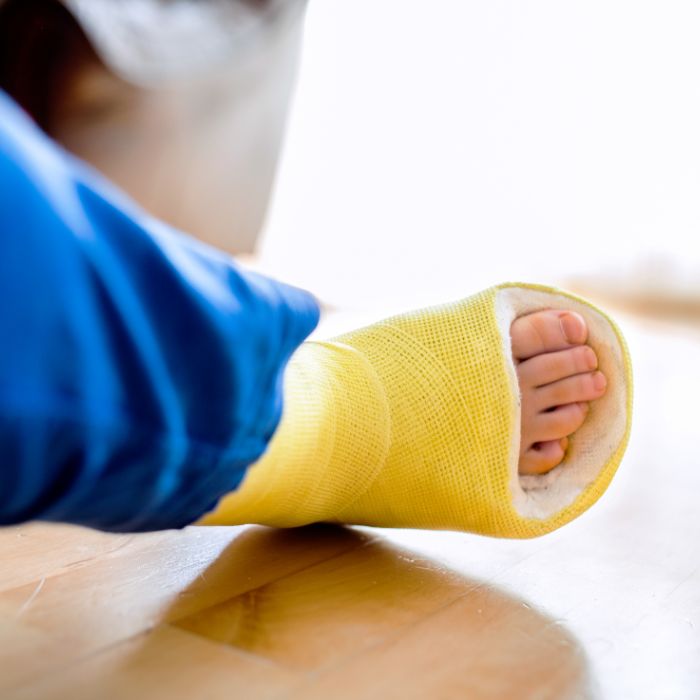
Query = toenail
x=591 y=358
x=599 y=381
x=573 y=327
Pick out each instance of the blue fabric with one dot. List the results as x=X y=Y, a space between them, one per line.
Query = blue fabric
x=140 y=370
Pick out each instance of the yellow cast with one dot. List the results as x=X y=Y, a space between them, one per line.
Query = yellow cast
x=415 y=422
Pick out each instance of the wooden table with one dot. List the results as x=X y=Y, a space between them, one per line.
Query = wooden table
x=607 y=607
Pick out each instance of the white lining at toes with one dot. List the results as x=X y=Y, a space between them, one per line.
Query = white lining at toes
x=592 y=446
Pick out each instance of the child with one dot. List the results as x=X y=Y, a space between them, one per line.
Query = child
x=141 y=376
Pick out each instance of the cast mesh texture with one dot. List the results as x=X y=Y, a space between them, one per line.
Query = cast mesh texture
x=406 y=423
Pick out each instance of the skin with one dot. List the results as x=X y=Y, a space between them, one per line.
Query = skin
x=558 y=379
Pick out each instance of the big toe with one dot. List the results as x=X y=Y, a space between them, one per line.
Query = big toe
x=546 y=331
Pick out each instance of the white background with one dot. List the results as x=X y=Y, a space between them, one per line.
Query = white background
x=438 y=147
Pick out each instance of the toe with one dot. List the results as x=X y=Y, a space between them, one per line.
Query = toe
x=556 y=424
x=579 y=388
x=553 y=366
x=546 y=331
x=542 y=457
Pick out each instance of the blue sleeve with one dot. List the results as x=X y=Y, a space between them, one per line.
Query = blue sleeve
x=140 y=370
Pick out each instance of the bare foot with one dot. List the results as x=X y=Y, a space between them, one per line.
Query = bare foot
x=558 y=377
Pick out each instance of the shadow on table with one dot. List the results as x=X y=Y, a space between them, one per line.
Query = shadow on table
x=364 y=618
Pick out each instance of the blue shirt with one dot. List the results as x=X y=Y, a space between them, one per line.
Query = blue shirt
x=140 y=370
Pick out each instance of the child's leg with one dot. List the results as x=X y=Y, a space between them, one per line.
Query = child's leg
x=451 y=418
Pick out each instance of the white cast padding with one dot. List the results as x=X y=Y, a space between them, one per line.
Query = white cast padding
x=592 y=446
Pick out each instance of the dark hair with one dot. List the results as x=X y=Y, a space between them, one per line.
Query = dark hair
x=41 y=45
